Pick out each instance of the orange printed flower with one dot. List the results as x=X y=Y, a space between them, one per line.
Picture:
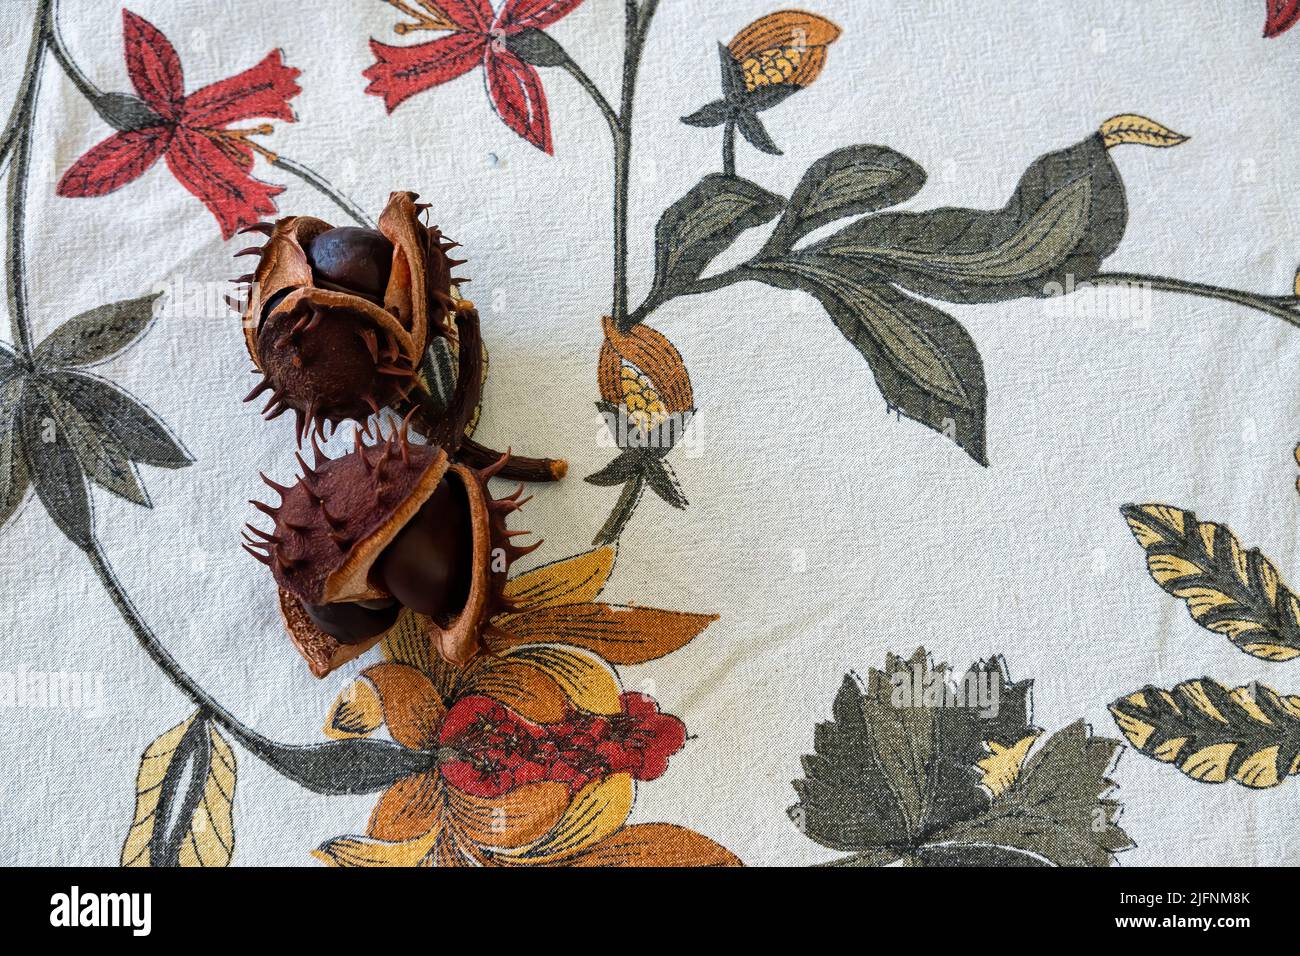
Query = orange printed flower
x=643 y=372
x=538 y=748
x=772 y=58
x=783 y=48
x=648 y=405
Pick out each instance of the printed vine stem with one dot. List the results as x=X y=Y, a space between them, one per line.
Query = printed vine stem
x=637 y=20
x=1280 y=306
x=729 y=147
x=373 y=764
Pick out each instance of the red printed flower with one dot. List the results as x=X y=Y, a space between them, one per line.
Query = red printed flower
x=478 y=37
x=498 y=749
x=1282 y=16
x=190 y=132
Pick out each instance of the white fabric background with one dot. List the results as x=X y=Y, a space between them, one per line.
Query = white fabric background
x=906 y=540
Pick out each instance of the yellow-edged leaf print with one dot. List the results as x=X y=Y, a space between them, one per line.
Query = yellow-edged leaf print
x=1139 y=130
x=1212 y=734
x=185 y=789
x=1231 y=590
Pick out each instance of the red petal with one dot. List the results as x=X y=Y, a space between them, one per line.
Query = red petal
x=154 y=67
x=1282 y=16
x=399 y=72
x=263 y=90
x=472 y=15
x=233 y=196
x=519 y=15
x=115 y=162
x=516 y=92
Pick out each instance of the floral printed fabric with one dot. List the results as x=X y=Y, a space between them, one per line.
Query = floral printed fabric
x=902 y=358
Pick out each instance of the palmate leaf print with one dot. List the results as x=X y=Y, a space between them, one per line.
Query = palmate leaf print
x=66 y=426
x=919 y=768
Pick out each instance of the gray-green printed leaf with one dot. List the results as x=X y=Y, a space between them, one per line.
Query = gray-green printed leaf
x=887 y=771
x=1059 y=808
x=848 y=182
x=9 y=364
x=694 y=230
x=751 y=127
x=55 y=472
x=97 y=335
x=924 y=361
x=101 y=456
x=1067 y=215
x=140 y=433
x=14 y=480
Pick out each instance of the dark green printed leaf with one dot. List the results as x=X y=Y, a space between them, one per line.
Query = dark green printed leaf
x=848 y=182
x=141 y=433
x=98 y=334
x=14 y=480
x=708 y=115
x=661 y=478
x=1213 y=734
x=919 y=767
x=924 y=361
x=100 y=455
x=755 y=133
x=536 y=47
x=1059 y=810
x=55 y=472
x=125 y=112
x=704 y=222
x=627 y=465
x=9 y=364
x=888 y=772
x=1067 y=215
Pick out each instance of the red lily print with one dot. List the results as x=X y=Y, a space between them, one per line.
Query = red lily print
x=191 y=132
x=478 y=36
x=1282 y=16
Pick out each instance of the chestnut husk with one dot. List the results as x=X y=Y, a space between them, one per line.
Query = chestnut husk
x=349 y=527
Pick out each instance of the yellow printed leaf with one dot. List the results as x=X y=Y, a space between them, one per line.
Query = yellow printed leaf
x=1213 y=734
x=190 y=765
x=1001 y=767
x=357 y=712
x=1228 y=589
x=1139 y=130
x=596 y=813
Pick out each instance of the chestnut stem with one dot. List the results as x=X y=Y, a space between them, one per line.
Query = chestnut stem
x=518 y=468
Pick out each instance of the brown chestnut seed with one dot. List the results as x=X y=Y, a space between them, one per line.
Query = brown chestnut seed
x=353 y=259
x=353 y=622
x=429 y=564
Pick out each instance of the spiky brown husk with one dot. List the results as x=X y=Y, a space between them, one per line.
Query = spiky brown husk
x=330 y=354
x=334 y=521
x=460 y=639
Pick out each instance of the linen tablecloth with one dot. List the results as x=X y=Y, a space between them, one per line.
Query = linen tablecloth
x=927 y=375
